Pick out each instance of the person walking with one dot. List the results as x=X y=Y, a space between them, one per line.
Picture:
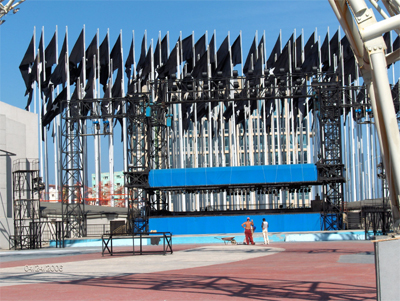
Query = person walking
x=264 y=226
x=247 y=231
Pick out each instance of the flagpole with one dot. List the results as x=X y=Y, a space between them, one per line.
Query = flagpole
x=46 y=162
x=57 y=149
x=40 y=107
x=278 y=127
x=84 y=122
x=97 y=150
x=98 y=109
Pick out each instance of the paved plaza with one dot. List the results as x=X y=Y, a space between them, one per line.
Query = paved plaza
x=329 y=270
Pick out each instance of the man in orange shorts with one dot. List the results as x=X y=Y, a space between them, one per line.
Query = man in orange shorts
x=247 y=230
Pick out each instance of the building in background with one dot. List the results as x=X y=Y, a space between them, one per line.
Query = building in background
x=18 y=140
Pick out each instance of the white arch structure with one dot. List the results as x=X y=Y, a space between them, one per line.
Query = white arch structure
x=365 y=36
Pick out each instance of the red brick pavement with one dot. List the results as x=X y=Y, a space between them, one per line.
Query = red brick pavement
x=305 y=271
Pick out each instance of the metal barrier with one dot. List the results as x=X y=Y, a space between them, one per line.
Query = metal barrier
x=97 y=229
x=107 y=242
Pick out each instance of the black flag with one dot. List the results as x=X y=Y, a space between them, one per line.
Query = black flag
x=164 y=49
x=252 y=54
x=310 y=54
x=59 y=75
x=276 y=51
x=325 y=52
x=129 y=61
x=236 y=51
x=187 y=48
x=116 y=55
x=142 y=58
x=25 y=66
x=90 y=52
x=170 y=67
x=104 y=62
x=55 y=108
x=201 y=66
x=199 y=49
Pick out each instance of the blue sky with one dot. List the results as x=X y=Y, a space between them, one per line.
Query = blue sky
x=153 y=16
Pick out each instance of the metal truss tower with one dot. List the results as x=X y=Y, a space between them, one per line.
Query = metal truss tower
x=147 y=149
x=73 y=206
x=26 y=191
x=328 y=109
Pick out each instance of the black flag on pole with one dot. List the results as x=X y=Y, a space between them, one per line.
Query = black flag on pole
x=170 y=67
x=91 y=51
x=236 y=51
x=142 y=58
x=276 y=51
x=116 y=55
x=187 y=48
x=59 y=75
x=25 y=69
x=252 y=54
x=104 y=62
x=54 y=108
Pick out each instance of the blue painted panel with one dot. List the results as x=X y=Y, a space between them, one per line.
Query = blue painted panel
x=297 y=222
x=266 y=174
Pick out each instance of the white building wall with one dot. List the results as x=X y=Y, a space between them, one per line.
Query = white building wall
x=18 y=135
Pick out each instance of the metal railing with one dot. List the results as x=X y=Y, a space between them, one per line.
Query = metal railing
x=274 y=206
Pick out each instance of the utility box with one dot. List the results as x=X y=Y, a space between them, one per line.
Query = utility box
x=387 y=267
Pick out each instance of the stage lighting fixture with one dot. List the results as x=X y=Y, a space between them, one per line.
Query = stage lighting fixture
x=2 y=21
x=235 y=73
x=15 y=10
x=204 y=75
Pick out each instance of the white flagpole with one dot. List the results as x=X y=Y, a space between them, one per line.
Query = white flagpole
x=124 y=128
x=57 y=138
x=110 y=126
x=34 y=55
x=98 y=107
x=40 y=107
x=46 y=159
x=179 y=110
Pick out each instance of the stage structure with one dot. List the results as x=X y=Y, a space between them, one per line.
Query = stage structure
x=196 y=108
x=148 y=124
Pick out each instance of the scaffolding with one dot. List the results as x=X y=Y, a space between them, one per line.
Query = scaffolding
x=26 y=191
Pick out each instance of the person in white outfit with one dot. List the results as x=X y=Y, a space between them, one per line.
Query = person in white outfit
x=264 y=227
